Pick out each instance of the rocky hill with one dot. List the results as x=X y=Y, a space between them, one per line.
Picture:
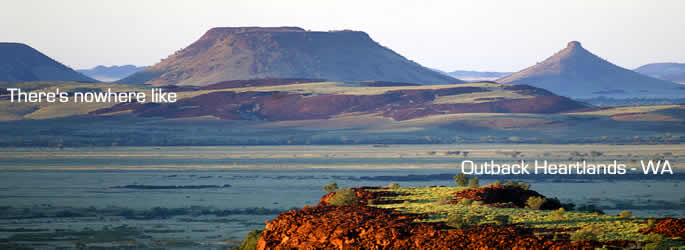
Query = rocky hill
x=111 y=73
x=577 y=73
x=21 y=63
x=298 y=99
x=242 y=53
x=674 y=72
x=376 y=218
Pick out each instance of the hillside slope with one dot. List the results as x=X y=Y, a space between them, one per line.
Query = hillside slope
x=242 y=53
x=21 y=63
x=577 y=73
x=306 y=101
x=674 y=72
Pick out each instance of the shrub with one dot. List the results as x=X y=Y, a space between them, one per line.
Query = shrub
x=343 y=197
x=568 y=206
x=497 y=183
x=555 y=202
x=559 y=214
x=465 y=202
x=590 y=209
x=535 y=202
x=473 y=182
x=656 y=241
x=477 y=203
x=521 y=185
x=331 y=187
x=583 y=235
x=250 y=241
x=444 y=201
x=394 y=186
x=456 y=221
x=473 y=219
x=460 y=221
x=625 y=214
x=461 y=180
x=501 y=219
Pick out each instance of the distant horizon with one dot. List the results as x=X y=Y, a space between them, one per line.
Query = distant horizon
x=449 y=36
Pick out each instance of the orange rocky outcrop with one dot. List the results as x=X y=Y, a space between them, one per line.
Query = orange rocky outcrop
x=503 y=196
x=669 y=227
x=363 y=227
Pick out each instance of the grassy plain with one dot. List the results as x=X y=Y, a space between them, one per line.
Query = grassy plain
x=431 y=200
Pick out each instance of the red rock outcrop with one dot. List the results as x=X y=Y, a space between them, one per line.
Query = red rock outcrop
x=668 y=227
x=363 y=227
x=365 y=196
x=503 y=196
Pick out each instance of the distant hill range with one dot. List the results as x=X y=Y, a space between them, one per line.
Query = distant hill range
x=224 y=54
x=674 y=72
x=577 y=73
x=309 y=111
x=468 y=75
x=21 y=63
x=111 y=73
x=302 y=99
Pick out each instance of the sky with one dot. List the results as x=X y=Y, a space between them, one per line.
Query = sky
x=446 y=35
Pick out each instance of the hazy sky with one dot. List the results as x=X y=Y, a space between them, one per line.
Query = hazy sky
x=448 y=35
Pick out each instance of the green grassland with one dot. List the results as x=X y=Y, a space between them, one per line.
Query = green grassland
x=432 y=201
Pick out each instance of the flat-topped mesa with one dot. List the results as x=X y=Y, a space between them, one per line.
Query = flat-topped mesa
x=224 y=31
x=242 y=53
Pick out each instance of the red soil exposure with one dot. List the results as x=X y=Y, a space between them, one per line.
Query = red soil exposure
x=363 y=227
x=279 y=106
x=366 y=196
x=503 y=196
x=668 y=227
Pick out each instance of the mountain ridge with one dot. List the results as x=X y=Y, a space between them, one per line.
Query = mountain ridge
x=22 y=63
x=669 y=71
x=110 y=73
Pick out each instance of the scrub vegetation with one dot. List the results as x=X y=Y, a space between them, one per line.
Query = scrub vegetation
x=589 y=223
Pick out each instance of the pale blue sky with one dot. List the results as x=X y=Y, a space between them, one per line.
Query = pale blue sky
x=448 y=35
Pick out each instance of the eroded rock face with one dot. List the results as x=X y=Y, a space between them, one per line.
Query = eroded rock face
x=669 y=227
x=365 y=196
x=362 y=227
x=503 y=196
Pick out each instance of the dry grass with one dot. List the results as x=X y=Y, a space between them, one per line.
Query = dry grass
x=627 y=110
